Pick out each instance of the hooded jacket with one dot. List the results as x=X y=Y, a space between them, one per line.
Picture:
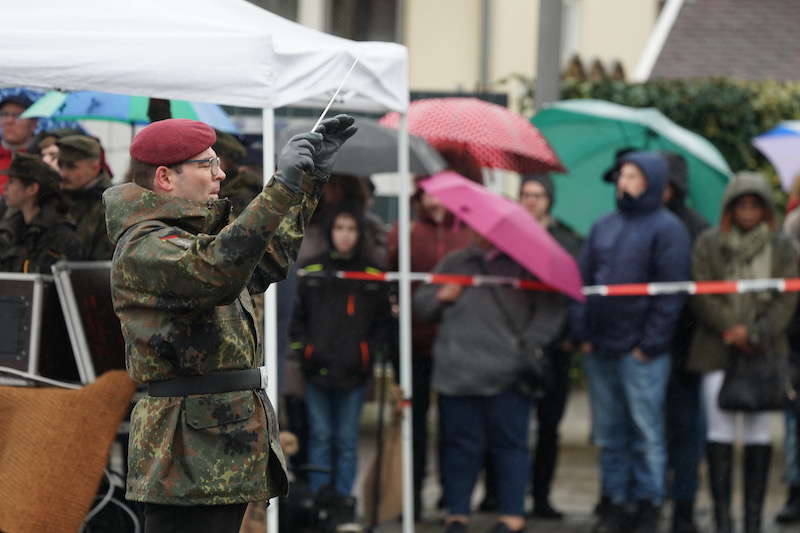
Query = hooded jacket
x=339 y=324
x=181 y=279
x=640 y=242
x=716 y=313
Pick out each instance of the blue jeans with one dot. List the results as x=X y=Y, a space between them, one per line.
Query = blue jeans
x=686 y=434
x=474 y=425
x=333 y=418
x=627 y=401
x=790 y=447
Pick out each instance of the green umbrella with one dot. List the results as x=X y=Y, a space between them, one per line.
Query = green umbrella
x=586 y=135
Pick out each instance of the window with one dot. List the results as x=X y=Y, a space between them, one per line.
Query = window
x=284 y=8
x=364 y=20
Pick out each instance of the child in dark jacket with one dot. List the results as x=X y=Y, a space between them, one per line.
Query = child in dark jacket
x=337 y=327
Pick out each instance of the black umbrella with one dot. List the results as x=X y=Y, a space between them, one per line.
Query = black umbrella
x=372 y=150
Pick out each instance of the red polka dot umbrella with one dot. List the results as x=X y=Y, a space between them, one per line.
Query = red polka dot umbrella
x=494 y=136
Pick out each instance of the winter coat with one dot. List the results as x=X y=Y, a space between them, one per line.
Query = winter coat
x=715 y=313
x=37 y=246
x=339 y=324
x=86 y=209
x=640 y=242
x=477 y=352
x=430 y=243
x=181 y=280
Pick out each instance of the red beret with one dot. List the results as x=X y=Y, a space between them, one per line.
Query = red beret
x=171 y=141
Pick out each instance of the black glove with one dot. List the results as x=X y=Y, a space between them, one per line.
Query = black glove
x=335 y=131
x=297 y=159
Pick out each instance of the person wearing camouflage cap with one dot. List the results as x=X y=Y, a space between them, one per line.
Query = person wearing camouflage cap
x=83 y=181
x=39 y=233
x=241 y=185
x=204 y=438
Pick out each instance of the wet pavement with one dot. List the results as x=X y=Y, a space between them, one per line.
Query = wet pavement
x=576 y=485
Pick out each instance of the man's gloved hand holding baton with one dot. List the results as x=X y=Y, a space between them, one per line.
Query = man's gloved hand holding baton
x=314 y=152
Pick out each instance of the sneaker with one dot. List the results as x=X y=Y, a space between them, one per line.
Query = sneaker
x=647 y=517
x=612 y=520
x=456 y=527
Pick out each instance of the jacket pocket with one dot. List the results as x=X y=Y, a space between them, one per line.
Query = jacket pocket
x=213 y=410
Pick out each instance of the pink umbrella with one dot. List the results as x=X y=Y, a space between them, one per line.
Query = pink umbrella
x=510 y=228
x=491 y=135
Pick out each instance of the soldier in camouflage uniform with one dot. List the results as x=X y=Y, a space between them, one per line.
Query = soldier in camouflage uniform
x=83 y=180
x=39 y=233
x=204 y=440
x=241 y=185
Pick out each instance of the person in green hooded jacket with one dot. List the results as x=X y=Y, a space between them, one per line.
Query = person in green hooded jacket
x=39 y=233
x=204 y=438
x=748 y=244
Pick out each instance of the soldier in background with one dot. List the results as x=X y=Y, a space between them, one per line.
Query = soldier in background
x=241 y=185
x=84 y=179
x=204 y=439
x=45 y=144
x=39 y=233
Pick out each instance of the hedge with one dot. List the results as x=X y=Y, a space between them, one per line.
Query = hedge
x=729 y=113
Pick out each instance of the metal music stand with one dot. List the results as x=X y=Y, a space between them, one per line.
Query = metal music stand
x=33 y=336
x=84 y=289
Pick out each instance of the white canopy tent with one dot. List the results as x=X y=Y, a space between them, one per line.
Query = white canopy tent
x=220 y=51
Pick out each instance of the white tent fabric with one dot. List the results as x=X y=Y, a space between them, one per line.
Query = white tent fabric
x=220 y=51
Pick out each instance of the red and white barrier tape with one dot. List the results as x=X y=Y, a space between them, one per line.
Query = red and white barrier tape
x=628 y=289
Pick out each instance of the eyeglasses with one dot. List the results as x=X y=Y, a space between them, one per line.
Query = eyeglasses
x=212 y=162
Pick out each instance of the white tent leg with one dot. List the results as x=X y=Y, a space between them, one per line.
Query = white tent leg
x=404 y=241
x=270 y=300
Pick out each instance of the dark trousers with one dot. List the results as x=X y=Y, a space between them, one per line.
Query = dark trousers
x=471 y=427
x=549 y=412
x=685 y=429
x=421 y=375
x=193 y=518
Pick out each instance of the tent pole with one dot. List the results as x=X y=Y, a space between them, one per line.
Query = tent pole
x=270 y=298
x=404 y=242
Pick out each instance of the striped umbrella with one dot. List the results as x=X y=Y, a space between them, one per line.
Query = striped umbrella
x=92 y=105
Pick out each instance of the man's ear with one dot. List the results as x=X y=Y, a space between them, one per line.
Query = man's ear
x=164 y=179
x=34 y=188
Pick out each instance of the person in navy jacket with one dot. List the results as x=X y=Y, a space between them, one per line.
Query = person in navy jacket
x=627 y=340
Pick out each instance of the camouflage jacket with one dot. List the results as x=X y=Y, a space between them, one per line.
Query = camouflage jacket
x=86 y=208
x=35 y=247
x=181 y=281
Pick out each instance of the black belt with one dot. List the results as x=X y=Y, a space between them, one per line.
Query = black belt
x=217 y=382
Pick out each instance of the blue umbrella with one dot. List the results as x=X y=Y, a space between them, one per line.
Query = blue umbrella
x=781 y=145
x=93 y=105
x=44 y=124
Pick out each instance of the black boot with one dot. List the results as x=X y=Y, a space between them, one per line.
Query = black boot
x=683 y=517
x=791 y=511
x=720 y=465
x=756 y=474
